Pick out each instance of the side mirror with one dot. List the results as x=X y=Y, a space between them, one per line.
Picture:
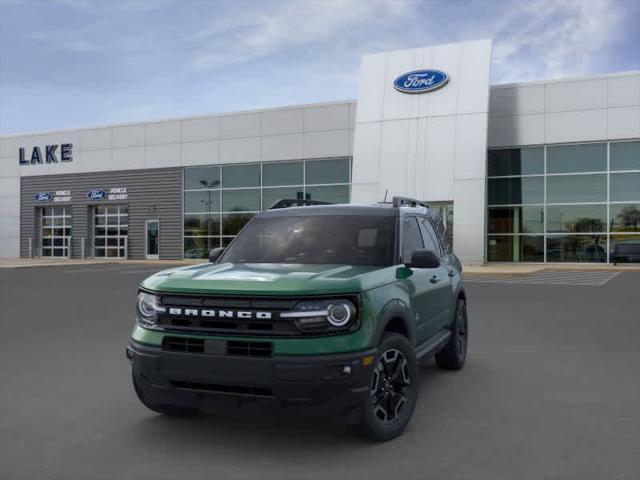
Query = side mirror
x=424 y=259
x=215 y=254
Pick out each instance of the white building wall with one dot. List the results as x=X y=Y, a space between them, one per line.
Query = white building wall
x=564 y=111
x=306 y=131
x=430 y=146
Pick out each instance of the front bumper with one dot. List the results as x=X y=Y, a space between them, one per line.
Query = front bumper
x=334 y=384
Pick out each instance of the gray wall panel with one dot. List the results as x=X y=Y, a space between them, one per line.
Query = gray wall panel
x=152 y=193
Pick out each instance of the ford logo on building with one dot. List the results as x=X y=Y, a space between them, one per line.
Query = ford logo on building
x=97 y=195
x=44 y=196
x=420 y=81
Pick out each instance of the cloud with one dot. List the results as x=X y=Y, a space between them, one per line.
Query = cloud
x=288 y=25
x=550 y=39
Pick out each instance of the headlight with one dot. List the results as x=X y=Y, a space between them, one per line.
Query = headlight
x=323 y=315
x=148 y=307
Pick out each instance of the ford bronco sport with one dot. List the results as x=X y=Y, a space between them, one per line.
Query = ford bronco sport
x=312 y=307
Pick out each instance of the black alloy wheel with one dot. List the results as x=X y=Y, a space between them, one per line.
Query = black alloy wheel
x=391 y=384
x=393 y=389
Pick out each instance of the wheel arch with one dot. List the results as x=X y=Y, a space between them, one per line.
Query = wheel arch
x=396 y=317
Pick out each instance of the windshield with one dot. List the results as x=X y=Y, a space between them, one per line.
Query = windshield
x=318 y=239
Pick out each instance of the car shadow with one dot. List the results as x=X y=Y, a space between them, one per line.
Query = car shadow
x=249 y=427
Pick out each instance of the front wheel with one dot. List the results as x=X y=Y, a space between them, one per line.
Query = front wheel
x=453 y=355
x=393 y=389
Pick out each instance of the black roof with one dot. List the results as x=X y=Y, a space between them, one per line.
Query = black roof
x=378 y=209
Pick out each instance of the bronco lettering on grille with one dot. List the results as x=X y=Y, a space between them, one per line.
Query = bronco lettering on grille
x=212 y=313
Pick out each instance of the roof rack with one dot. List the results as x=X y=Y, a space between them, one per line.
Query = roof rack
x=408 y=202
x=296 y=202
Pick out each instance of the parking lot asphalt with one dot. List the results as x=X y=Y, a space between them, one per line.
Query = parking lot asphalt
x=551 y=390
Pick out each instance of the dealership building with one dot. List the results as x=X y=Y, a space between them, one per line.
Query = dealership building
x=544 y=171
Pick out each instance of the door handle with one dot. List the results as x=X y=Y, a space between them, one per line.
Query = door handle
x=452 y=273
x=434 y=279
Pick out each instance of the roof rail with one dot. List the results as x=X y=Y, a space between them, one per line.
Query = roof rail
x=408 y=202
x=295 y=202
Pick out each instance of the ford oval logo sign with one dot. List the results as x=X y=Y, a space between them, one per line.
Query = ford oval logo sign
x=97 y=195
x=420 y=81
x=44 y=196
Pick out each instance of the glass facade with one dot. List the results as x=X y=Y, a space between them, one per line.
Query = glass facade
x=219 y=200
x=564 y=203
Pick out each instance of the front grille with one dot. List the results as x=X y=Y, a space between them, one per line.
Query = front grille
x=183 y=344
x=250 y=349
x=255 y=309
x=230 y=389
x=274 y=326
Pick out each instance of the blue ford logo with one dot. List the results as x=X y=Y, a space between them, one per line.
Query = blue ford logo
x=97 y=195
x=44 y=196
x=420 y=81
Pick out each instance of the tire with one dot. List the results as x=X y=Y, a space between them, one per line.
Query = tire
x=167 y=410
x=394 y=386
x=454 y=354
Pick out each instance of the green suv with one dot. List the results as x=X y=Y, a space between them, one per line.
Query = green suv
x=311 y=308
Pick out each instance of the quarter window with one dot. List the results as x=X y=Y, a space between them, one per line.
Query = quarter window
x=411 y=238
x=429 y=237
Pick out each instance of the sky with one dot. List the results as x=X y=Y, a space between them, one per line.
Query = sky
x=79 y=63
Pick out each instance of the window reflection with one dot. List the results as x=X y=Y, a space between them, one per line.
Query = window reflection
x=576 y=218
x=516 y=219
x=625 y=187
x=327 y=171
x=199 y=247
x=287 y=173
x=515 y=248
x=201 y=177
x=337 y=194
x=232 y=224
x=516 y=191
x=625 y=155
x=624 y=217
x=272 y=195
x=516 y=161
x=576 y=188
x=197 y=225
x=241 y=200
x=577 y=248
x=589 y=157
x=625 y=248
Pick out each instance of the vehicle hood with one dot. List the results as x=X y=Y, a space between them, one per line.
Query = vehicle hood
x=269 y=279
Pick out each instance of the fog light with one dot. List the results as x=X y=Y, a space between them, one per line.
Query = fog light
x=368 y=360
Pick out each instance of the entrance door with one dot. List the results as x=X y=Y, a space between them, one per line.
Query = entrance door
x=152 y=239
